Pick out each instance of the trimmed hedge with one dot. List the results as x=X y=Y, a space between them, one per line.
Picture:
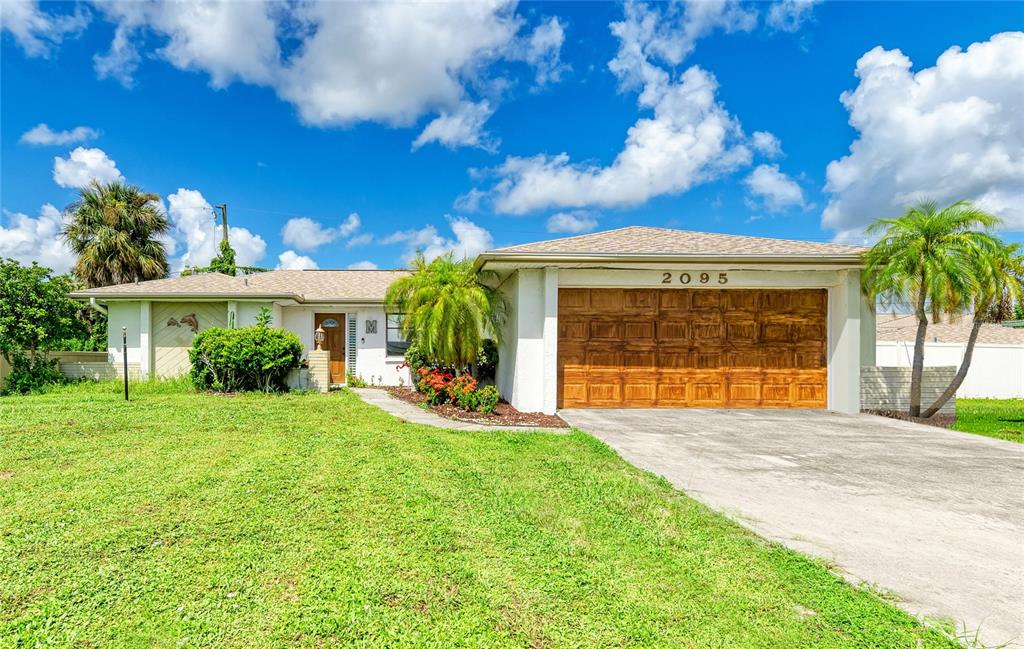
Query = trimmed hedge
x=250 y=358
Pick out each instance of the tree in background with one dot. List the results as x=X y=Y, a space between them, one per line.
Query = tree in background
x=115 y=229
x=35 y=315
x=225 y=261
x=448 y=309
x=930 y=258
x=999 y=275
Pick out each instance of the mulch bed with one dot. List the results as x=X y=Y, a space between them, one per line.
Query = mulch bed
x=939 y=420
x=504 y=414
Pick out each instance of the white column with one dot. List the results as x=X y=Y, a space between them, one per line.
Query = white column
x=529 y=380
x=844 y=310
x=550 y=344
x=233 y=315
x=145 y=346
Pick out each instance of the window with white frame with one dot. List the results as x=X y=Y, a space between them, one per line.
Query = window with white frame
x=396 y=344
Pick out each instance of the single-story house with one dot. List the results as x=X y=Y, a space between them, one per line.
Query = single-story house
x=997 y=365
x=634 y=317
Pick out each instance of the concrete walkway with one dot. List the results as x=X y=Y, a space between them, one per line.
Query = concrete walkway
x=408 y=412
x=933 y=516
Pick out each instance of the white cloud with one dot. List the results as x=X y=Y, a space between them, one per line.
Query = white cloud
x=83 y=166
x=775 y=189
x=398 y=61
x=543 y=51
x=571 y=222
x=228 y=40
x=306 y=234
x=469 y=240
x=690 y=139
x=362 y=265
x=195 y=225
x=790 y=15
x=43 y=135
x=29 y=239
x=359 y=240
x=766 y=144
x=291 y=260
x=462 y=127
x=37 y=32
x=948 y=132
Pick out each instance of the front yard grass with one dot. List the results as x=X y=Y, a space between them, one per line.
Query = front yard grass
x=184 y=519
x=999 y=418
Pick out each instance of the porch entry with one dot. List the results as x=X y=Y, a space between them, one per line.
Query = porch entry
x=334 y=342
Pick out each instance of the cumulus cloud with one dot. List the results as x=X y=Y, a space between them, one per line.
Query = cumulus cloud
x=291 y=260
x=690 y=139
x=37 y=32
x=362 y=265
x=43 y=135
x=790 y=15
x=227 y=40
x=571 y=222
x=306 y=234
x=194 y=223
x=774 y=189
x=29 y=239
x=82 y=166
x=462 y=127
x=359 y=240
x=948 y=132
x=766 y=144
x=468 y=241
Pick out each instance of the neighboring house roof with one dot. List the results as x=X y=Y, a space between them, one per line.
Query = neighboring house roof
x=298 y=285
x=663 y=242
x=902 y=327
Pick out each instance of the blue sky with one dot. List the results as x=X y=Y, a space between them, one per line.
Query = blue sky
x=475 y=126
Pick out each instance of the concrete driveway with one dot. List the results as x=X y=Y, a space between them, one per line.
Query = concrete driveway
x=936 y=517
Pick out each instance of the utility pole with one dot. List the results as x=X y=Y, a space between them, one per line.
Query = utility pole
x=224 y=219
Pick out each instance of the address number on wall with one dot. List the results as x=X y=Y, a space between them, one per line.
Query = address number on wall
x=699 y=278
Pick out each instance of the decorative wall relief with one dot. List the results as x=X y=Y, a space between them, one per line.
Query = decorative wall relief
x=188 y=319
x=371 y=326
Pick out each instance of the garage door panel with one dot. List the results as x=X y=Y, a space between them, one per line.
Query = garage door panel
x=743 y=348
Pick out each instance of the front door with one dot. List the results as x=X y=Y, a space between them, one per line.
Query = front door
x=334 y=342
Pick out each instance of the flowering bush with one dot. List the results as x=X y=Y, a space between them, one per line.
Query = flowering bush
x=441 y=386
x=487 y=399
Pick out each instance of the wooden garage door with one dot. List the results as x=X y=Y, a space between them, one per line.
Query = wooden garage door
x=702 y=348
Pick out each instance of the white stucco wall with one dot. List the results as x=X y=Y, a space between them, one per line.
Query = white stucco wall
x=124 y=314
x=527 y=368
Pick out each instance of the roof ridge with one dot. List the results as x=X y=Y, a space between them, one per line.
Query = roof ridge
x=569 y=238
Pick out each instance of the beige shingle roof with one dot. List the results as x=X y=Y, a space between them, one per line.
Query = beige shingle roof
x=643 y=240
x=300 y=285
x=902 y=327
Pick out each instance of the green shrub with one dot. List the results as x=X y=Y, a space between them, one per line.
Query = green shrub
x=462 y=392
x=250 y=358
x=486 y=364
x=487 y=399
x=31 y=374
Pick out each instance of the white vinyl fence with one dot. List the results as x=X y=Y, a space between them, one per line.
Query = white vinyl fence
x=997 y=371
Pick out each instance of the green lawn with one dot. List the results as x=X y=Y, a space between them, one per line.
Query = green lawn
x=999 y=418
x=184 y=520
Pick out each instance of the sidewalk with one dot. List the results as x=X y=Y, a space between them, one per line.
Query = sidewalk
x=410 y=413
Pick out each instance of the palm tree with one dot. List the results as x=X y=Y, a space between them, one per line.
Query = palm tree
x=1000 y=275
x=114 y=230
x=448 y=309
x=928 y=257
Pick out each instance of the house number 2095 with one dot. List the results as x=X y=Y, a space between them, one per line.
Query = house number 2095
x=686 y=278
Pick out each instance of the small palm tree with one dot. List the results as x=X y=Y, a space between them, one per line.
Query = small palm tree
x=448 y=309
x=928 y=257
x=114 y=230
x=1000 y=276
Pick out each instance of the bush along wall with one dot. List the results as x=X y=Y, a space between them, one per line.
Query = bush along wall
x=250 y=358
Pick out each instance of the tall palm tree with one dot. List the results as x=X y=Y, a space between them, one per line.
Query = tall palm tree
x=448 y=309
x=114 y=230
x=1000 y=276
x=928 y=258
